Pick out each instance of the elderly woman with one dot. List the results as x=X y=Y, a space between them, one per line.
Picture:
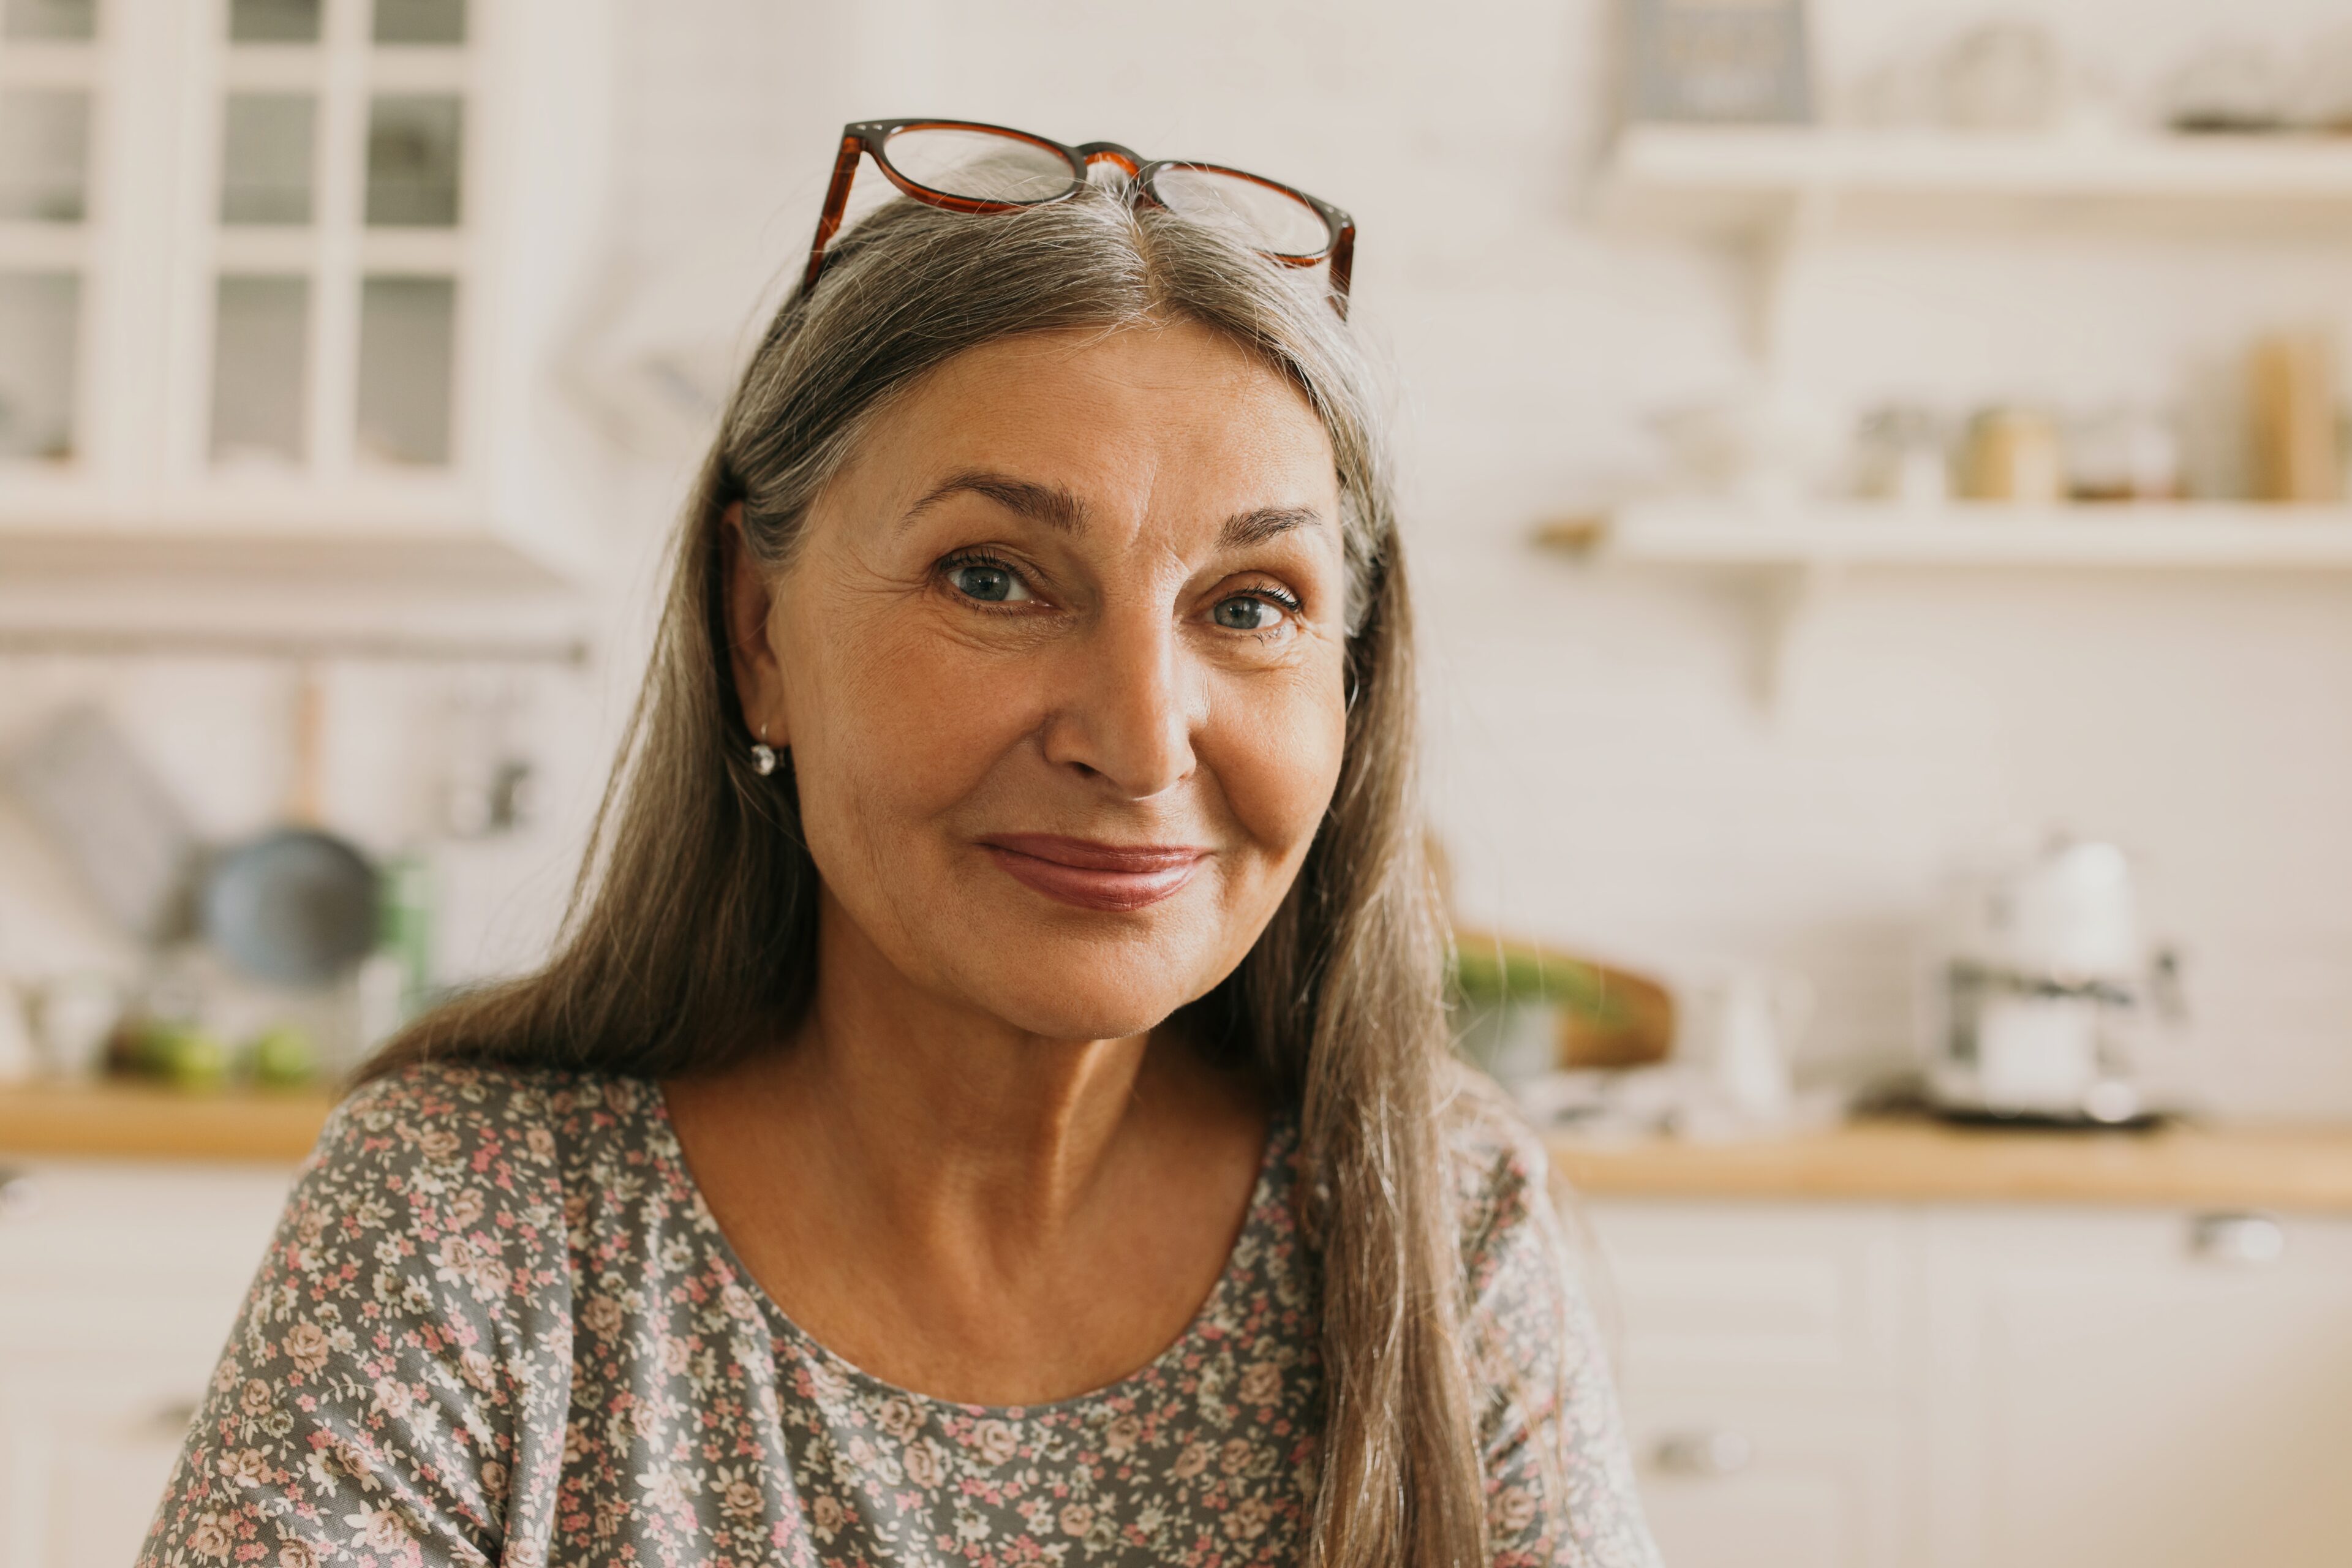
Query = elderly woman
x=992 y=1103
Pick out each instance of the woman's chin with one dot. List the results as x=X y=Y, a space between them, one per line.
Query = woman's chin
x=1101 y=999
x=1122 y=977
x=1073 y=1014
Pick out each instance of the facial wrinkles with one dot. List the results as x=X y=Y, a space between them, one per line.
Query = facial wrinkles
x=926 y=723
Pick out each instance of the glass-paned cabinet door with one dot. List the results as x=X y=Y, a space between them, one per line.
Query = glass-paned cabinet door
x=420 y=21
x=414 y=145
x=40 y=318
x=275 y=21
x=408 y=331
x=44 y=154
x=260 y=368
x=268 y=142
x=415 y=212
x=339 y=235
x=49 y=73
x=73 y=21
x=266 y=247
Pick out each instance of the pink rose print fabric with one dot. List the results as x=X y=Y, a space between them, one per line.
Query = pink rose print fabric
x=498 y=1325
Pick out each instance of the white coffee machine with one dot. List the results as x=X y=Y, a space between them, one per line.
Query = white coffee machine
x=2045 y=996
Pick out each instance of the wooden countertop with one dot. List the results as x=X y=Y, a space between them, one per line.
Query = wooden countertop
x=1863 y=1162
x=118 y=1121
x=1904 y=1160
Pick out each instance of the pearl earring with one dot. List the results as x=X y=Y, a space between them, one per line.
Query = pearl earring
x=763 y=755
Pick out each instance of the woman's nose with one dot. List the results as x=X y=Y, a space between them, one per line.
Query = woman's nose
x=1129 y=708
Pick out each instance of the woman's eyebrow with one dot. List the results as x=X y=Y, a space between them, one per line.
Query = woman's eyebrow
x=1055 y=507
x=1247 y=527
x=1064 y=513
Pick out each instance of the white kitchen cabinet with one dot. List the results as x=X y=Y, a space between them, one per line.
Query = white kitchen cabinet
x=281 y=282
x=1770 y=1480
x=86 y=1444
x=117 y=1287
x=2007 y=1386
x=2163 y=1390
x=1768 y=1295
x=1763 y=1350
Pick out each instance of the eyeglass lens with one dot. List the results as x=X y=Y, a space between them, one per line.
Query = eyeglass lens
x=990 y=166
x=979 y=165
x=1267 y=219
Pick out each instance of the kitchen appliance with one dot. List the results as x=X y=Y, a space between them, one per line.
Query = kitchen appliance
x=2044 y=994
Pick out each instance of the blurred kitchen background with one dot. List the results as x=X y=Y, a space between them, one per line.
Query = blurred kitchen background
x=1876 y=484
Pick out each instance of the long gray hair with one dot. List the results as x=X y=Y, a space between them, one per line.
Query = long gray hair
x=692 y=933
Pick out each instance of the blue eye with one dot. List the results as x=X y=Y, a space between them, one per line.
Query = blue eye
x=1243 y=612
x=990 y=585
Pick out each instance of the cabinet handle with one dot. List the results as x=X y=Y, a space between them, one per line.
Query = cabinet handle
x=2246 y=1240
x=1717 y=1452
x=18 y=1192
x=172 y=1417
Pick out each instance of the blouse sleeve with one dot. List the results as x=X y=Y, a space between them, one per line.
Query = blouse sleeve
x=387 y=1394
x=1559 y=1478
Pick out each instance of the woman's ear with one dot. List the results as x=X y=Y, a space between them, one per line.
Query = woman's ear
x=758 y=683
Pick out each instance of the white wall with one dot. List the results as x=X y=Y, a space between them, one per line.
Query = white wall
x=1603 y=777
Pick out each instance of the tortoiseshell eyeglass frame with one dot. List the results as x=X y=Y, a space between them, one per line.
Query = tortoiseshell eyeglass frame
x=872 y=137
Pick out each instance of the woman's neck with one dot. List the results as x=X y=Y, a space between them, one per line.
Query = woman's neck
x=957 y=1123
x=951 y=1123
x=966 y=1209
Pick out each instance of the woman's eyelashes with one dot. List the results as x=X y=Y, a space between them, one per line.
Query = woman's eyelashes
x=983 y=581
x=986 y=580
x=1262 y=609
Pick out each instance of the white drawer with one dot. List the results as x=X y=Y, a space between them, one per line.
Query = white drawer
x=99 y=1256
x=1771 y=1480
x=1761 y=1296
x=108 y=1222
x=87 y=1443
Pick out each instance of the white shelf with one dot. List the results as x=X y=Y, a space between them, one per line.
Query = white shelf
x=454 y=553
x=1797 y=557
x=418 y=530
x=1734 y=179
x=2191 y=535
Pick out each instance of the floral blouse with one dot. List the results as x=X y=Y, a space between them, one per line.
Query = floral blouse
x=498 y=1324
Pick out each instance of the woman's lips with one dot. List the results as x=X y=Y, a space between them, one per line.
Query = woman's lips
x=1093 y=875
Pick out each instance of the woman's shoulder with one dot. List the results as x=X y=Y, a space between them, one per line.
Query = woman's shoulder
x=1501 y=1173
x=477 y=1121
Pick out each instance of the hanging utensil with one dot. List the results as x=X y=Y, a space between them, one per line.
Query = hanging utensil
x=114 y=819
x=296 y=906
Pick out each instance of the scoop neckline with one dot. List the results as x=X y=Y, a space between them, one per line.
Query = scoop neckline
x=781 y=1325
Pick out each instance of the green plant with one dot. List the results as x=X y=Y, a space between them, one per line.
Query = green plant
x=1489 y=973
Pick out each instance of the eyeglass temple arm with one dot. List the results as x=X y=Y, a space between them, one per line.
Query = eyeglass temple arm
x=836 y=201
x=1343 y=268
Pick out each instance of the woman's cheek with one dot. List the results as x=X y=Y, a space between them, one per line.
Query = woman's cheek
x=927 y=717
x=1276 y=747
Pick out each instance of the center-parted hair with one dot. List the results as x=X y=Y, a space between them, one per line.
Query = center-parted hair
x=691 y=937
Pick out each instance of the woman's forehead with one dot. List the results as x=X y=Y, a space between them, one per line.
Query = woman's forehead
x=1173 y=415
